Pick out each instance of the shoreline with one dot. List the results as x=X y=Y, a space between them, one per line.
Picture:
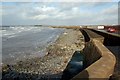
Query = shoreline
x=28 y=44
x=57 y=57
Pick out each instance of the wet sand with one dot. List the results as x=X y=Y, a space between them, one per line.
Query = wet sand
x=57 y=57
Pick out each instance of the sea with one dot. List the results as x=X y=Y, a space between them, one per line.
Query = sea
x=22 y=42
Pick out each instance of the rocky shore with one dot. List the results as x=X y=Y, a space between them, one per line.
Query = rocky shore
x=53 y=64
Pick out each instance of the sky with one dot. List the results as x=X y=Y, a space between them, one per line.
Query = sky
x=59 y=13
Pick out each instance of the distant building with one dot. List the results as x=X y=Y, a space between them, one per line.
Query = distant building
x=100 y=27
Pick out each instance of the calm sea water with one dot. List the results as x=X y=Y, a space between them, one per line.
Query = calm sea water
x=19 y=43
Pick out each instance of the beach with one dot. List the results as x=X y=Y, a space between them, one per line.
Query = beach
x=57 y=56
x=21 y=42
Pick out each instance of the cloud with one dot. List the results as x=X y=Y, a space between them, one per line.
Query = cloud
x=111 y=10
x=60 y=1
x=45 y=9
x=45 y=12
x=40 y=17
x=39 y=13
x=60 y=13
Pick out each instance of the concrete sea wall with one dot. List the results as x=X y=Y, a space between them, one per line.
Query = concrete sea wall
x=100 y=62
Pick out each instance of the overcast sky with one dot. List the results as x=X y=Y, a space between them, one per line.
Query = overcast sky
x=59 y=13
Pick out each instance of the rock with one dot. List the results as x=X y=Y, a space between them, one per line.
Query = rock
x=65 y=33
x=65 y=61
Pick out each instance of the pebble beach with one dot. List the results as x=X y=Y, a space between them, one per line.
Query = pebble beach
x=52 y=64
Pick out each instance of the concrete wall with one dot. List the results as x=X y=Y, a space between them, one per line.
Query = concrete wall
x=110 y=39
x=100 y=62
